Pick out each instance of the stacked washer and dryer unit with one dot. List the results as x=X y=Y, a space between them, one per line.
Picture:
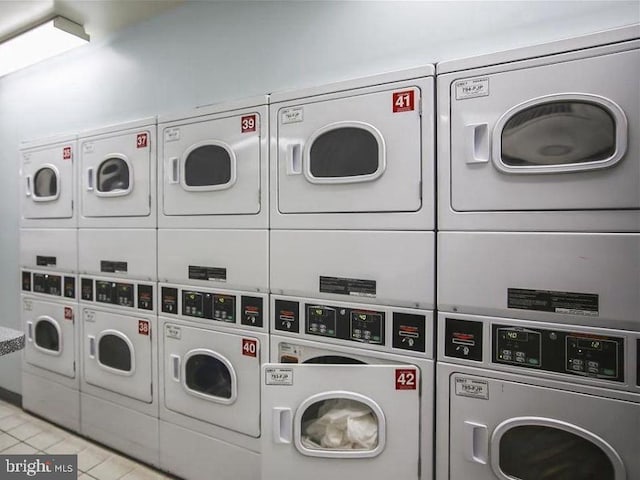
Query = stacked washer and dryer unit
x=213 y=267
x=349 y=392
x=538 y=370
x=117 y=264
x=48 y=263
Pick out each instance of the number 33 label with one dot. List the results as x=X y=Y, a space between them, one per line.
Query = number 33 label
x=403 y=101
x=248 y=124
x=406 y=379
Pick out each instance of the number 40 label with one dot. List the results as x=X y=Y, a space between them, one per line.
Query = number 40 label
x=406 y=379
x=403 y=101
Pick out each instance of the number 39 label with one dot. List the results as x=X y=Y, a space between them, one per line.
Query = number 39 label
x=248 y=124
x=403 y=101
x=406 y=379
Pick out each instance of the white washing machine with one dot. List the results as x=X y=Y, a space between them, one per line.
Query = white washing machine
x=353 y=192
x=213 y=215
x=349 y=392
x=211 y=348
x=578 y=278
x=119 y=382
x=533 y=400
x=50 y=369
x=542 y=138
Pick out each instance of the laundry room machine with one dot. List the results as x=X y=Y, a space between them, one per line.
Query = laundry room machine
x=536 y=400
x=539 y=182
x=212 y=345
x=348 y=392
x=49 y=265
x=352 y=190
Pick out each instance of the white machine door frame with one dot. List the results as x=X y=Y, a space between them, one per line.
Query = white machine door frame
x=213 y=376
x=116 y=175
x=213 y=166
x=551 y=137
x=351 y=154
x=117 y=354
x=47 y=182
x=496 y=432
x=50 y=336
x=376 y=407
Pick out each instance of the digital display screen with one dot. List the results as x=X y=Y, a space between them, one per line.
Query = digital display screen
x=517 y=335
x=590 y=344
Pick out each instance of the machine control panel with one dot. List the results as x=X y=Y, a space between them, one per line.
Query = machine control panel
x=463 y=339
x=355 y=324
x=287 y=316
x=48 y=284
x=169 y=300
x=122 y=294
x=208 y=305
x=409 y=332
x=252 y=311
x=574 y=353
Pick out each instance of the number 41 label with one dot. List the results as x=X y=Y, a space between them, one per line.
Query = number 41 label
x=403 y=101
x=406 y=379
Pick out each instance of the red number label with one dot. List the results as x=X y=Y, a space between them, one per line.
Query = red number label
x=143 y=327
x=249 y=347
x=66 y=153
x=68 y=313
x=248 y=124
x=406 y=379
x=142 y=140
x=403 y=101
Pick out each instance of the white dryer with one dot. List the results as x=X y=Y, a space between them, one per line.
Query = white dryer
x=542 y=138
x=119 y=383
x=349 y=392
x=50 y=378
x=532 y=400
x=211 y=347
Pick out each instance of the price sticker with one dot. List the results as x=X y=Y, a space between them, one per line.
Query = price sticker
x=248 y=123
x=406 y=379
x=403 y=101
x=249 y=347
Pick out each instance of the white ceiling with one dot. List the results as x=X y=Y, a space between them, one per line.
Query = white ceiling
x=99 y=17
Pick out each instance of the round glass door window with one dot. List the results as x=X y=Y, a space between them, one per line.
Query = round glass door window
x=47 y=336
x=114 y=352
x=45 y=183
x=208 y=166
x=113 y=176
x=209 y=376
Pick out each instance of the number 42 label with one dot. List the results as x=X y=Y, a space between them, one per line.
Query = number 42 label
x=406 y=379
x=404 y=101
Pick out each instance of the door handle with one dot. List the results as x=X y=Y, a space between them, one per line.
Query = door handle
x=281 y=425
x=477 y=139
x=175 y=362
x=28 y=186
x=30 y=331
x=89 y=179
x=92 y=346
x=174 y=173
x=294 y=159
x=476 y=441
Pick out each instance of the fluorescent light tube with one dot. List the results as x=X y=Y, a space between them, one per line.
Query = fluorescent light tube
x=36 y=44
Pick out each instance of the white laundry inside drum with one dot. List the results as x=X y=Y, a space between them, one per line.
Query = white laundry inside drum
x=340 y=424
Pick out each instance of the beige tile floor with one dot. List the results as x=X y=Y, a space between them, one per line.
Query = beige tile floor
x=22 y=433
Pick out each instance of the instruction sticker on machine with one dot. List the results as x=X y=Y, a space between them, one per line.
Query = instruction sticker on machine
x=571 y=303
x=292 y=115
x=470 y=387
x=348 y=286
x=476 y=87
x=278 y=376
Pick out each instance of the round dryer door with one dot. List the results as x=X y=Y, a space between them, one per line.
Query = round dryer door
x=46 y=184
x=47 y=335
x=209 y=375
x=113 y=176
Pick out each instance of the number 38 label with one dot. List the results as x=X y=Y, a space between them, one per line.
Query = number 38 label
x=406 y=379
x=403 y=101
x=248 y=124
x=143 y=327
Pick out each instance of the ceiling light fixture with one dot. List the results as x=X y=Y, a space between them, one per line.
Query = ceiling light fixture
x=43 y=41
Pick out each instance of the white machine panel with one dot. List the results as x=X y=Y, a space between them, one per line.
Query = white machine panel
x=213 y=375
x=381 y=267
x=355 y=155
x=229 y=259
x=383 y=399
x=213 y=167
x=49 y=248
x=581 y=278
x=548 y=143
x=117 y=353
x=118 y=176
x=118 y=252
x=47 y=187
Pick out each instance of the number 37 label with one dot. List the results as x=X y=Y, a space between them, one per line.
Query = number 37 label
x=406 y=379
